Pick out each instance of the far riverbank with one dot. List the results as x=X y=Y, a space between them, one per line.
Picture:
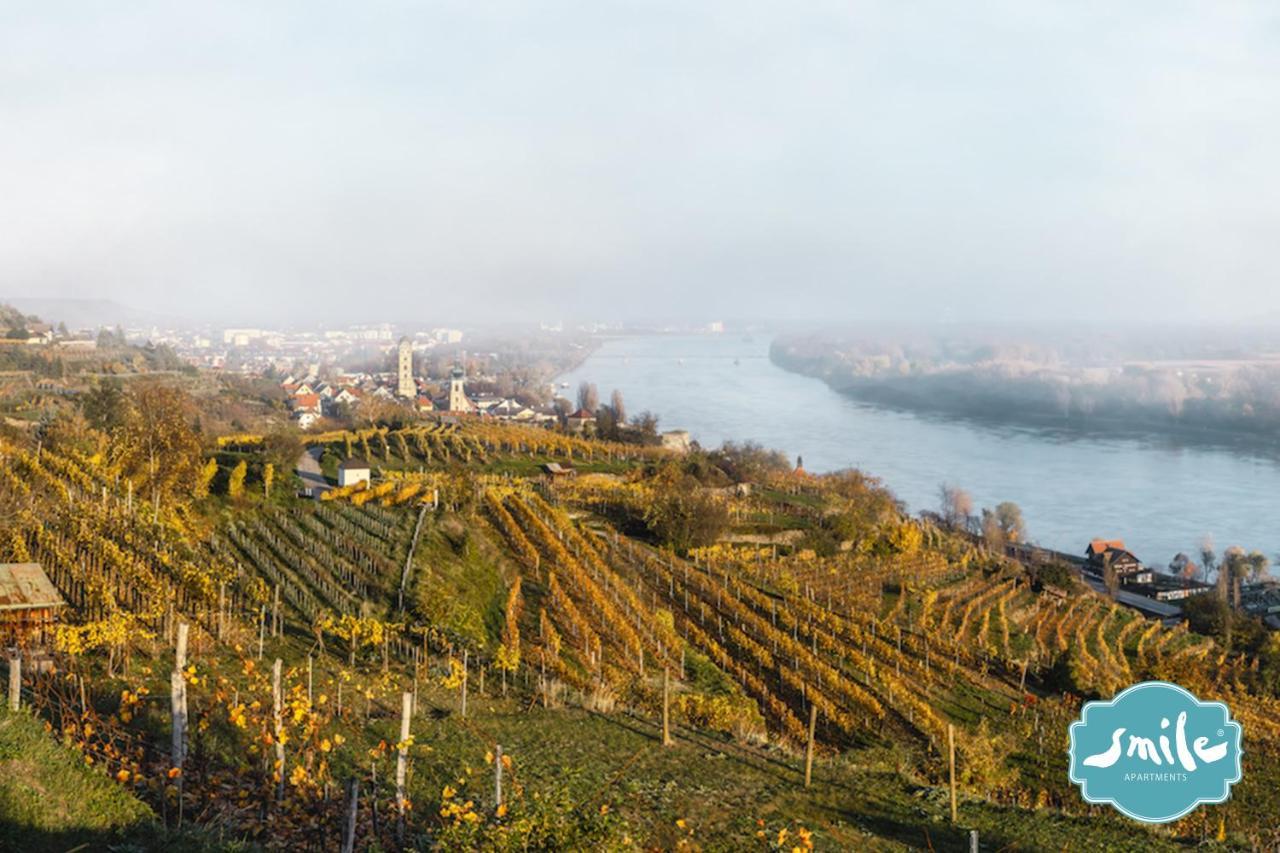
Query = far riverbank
x=1160 y=494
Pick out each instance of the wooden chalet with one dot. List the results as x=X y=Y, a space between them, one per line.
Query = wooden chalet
x=1102 y=553
x=29 y=604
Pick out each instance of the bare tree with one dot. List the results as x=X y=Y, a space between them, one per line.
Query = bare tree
x=1009 y=518
x=587 y=397
x=618 y=406
x=957 y=505
x=1208 y=556
x=992 y=532
x=1258 y=565
x=1235 y=565
x=1182 y=566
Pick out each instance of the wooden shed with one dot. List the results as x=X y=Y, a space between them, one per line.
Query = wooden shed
x=29 y=604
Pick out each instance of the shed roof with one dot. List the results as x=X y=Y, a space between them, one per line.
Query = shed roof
x=25 y=586
x=354 y=464
x=1148 y=605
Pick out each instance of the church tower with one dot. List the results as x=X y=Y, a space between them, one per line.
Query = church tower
x=405 y=386
x=458 y=401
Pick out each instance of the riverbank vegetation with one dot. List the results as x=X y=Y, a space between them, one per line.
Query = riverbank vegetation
x=1177 y=381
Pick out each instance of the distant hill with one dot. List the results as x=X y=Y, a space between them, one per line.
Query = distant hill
x=88 y=313
x=11 y=318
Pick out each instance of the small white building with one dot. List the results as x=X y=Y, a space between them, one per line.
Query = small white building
x=677 y=440
x=353 y=471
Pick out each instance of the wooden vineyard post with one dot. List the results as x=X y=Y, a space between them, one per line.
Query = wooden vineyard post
x=178 y=710
x=464 y=684
x=277 y=707
x=178 y=698
x=222 y=604
x=666 y=709
x=402 y=759
x=1022 y=683
x=497 y=778
x=15 y=680
x=973 y=841
x=349 y=818
x=309 y=701
x=262 y=628
x=951 y=749
x=808 y=752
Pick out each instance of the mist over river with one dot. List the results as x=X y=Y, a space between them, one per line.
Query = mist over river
x=1161 y=495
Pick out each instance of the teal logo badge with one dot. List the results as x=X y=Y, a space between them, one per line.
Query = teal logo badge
x=1155 y=752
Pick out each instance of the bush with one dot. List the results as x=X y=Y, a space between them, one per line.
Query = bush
x=684 y=516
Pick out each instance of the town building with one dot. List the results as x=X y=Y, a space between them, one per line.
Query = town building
x=581 y=421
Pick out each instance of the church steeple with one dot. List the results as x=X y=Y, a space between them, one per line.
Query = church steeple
x=405 y=386
x=458 y=401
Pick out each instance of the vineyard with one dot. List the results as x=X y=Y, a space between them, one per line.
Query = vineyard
x=458 y=577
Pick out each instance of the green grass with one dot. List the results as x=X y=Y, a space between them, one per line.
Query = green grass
x=515 y=465
x=807 y=501
x=859 y=801
x=460 y=580
x=49 y=799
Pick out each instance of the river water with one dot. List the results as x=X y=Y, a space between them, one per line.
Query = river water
x=1160 y=495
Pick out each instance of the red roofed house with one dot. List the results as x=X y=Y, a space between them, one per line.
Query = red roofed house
x=307 y=403
x=580 y=421
x=1102 y=553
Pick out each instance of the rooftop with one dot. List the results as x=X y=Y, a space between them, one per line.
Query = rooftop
x=25 y=586
x=1101 y=546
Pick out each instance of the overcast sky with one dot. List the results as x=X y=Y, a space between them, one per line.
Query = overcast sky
x=458 y=161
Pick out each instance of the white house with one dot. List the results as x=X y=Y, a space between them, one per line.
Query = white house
x=677 y=440
x=353 y=471
x=581 y=421
x=347 y=395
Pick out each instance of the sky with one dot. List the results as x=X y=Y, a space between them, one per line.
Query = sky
x=725 y=159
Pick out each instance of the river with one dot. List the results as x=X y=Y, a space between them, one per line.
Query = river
x=1159 y=495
